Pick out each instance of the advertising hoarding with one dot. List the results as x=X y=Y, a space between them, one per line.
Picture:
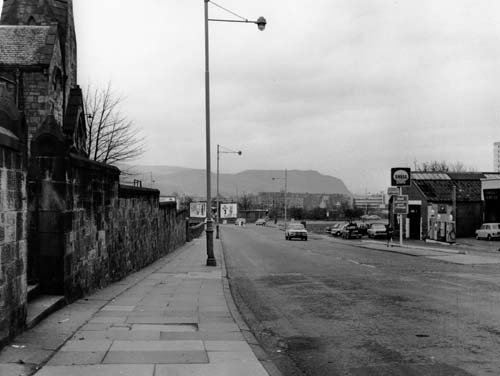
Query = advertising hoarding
x=228 y=210
x=198 y=209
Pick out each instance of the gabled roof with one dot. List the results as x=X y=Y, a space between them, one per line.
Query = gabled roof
x=27 y=45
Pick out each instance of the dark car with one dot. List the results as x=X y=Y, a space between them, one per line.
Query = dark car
x=363 y=228
x=351 y=231
x=296 y=230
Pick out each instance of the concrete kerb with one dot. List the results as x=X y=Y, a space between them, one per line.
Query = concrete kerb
x=254 y=344
x=423 y=248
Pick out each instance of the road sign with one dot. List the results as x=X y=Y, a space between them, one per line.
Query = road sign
x=393 y=191
x=400 y=204
x=400 y=176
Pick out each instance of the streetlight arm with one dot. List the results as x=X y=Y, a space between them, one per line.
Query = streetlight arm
x=240 y=21
x=261 y=21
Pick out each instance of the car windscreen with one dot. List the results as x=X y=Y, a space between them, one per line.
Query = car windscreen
x=296 y=227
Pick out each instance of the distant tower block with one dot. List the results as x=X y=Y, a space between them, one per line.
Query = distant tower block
x=496 y=156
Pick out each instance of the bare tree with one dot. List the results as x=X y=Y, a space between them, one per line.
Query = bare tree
x=111 y=137
x=443 y=166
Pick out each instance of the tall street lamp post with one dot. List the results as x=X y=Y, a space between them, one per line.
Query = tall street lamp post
x=226 y=151
x=261 y=24
x=284 y=193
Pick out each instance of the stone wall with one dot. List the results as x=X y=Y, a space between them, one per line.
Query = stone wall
x=13 y=209
x=13 y=234
x=88 y=231
x=142 y=230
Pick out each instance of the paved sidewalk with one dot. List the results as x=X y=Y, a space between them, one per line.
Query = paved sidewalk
x=450 y=255
x=173 y=318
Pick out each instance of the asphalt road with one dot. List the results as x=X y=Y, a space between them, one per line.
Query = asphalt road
x=327 y=307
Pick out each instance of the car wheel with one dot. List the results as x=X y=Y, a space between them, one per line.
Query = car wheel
x=488 y=237
x=305 y=238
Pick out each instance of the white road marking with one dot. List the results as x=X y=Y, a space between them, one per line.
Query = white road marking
x=359 y=263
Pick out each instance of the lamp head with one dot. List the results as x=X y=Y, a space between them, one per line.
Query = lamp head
x=239 y=152
x=261 y=23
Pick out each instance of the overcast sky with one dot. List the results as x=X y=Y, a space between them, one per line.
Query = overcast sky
x=350 y=88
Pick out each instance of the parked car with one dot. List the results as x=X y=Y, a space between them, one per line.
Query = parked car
x=338 y=229
x=362 y=228
x=488 y=231
x=295 y=230
x=351 y=231
x=376 y=230
x=260 y=222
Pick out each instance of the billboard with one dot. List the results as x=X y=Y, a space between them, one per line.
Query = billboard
x=228 y=210
x=198 y=209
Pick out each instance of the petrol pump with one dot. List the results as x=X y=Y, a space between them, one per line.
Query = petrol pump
x=441 y=223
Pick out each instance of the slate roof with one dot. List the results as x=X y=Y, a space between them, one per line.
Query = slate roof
x=27 y=45
x=438 y=187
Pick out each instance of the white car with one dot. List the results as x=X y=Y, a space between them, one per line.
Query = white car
x=295 y=230
x=377 y=230
x=260 y=222
x=488 y=231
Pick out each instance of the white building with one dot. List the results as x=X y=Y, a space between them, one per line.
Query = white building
x=496 y=157
x=370 y=203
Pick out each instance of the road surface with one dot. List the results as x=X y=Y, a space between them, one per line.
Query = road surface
x=328 y=307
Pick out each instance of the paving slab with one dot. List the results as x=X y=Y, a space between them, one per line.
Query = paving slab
x=204 y=336
x=68 y=358
x=229 y=368
x=118 y=308
x=87 y=345
x=188 y=327
x=228 y=346
x=155 y=357
x=190 y=345
x=99 y=370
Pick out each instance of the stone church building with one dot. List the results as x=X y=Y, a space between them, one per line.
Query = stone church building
x=39 y=101
x=67 y=227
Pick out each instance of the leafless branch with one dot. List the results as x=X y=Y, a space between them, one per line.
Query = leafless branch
x=112 y=137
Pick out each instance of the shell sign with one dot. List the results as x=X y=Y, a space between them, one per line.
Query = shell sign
x=400 y=176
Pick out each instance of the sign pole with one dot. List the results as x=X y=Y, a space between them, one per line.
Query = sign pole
x=400 y=222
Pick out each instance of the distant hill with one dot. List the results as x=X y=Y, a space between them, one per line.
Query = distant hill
x=192 y=182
